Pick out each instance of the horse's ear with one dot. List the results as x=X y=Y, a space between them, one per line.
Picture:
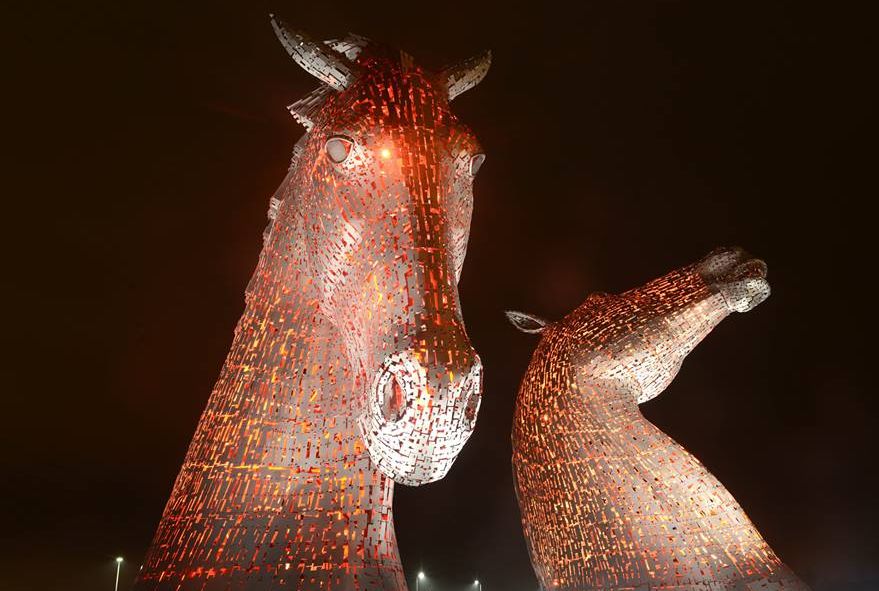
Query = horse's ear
x=465 y=75
x=351 y=46
x=319 y=60
x=526 y=322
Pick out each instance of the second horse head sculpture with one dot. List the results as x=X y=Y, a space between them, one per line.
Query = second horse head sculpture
x=609 y=502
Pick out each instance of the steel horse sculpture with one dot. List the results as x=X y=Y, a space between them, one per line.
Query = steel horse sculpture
x=350 y=368
x=609 y=501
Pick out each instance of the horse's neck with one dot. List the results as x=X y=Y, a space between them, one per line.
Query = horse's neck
x=334 y=485
x=293 y=345
x=640 y=366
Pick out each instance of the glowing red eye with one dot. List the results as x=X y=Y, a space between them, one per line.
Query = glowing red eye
x=476 y=162
x=338 y=148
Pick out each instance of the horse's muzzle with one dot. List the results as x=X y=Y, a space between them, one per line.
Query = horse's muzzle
x=418 y=416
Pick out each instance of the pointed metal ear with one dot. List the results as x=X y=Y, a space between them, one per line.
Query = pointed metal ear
x=315 y=58
x=351 y=46
x=526 y=322
x=467 y=74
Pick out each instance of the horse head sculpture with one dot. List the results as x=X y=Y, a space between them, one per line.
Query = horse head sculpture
x=609 y=501
x=385 y=196
x=350 y=369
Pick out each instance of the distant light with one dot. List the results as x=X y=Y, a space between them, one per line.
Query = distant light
x=118 y=559
x=386 y=153
x=476 y=582
x=420 y=575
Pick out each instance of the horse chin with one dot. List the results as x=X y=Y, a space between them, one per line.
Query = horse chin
x=401 y=452
x=412 y=469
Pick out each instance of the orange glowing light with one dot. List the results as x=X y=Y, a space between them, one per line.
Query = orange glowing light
x=385 y=153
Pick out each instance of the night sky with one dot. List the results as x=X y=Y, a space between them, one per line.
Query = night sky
x=623 y=140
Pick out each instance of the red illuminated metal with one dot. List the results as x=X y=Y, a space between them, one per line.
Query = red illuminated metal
x=350 y=367
x=609 y=502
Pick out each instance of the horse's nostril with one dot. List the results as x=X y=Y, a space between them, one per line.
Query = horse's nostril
x=471 y=393
x=393 y=402
x=472 y=406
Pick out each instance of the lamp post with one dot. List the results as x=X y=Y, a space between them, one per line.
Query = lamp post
x=478 y=584
x=118 y=567
x=418 y=580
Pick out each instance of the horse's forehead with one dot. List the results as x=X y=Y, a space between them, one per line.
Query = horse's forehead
x=389 y=96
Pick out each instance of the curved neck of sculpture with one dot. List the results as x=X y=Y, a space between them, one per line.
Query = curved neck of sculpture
x=277 y=484
x=338 y=491
x=648 y=510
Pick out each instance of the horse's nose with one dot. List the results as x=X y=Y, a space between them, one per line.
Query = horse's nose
x=405 y=387
x=420 y=415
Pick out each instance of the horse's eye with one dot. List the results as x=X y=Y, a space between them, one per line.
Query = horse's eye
x=476 y=162
x=338 y=147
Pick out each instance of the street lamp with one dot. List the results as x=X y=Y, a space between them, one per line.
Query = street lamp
x=418 y=580
x=478 y=584
x=118 y=566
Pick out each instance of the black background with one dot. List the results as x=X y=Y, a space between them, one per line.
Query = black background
x=623 y=140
